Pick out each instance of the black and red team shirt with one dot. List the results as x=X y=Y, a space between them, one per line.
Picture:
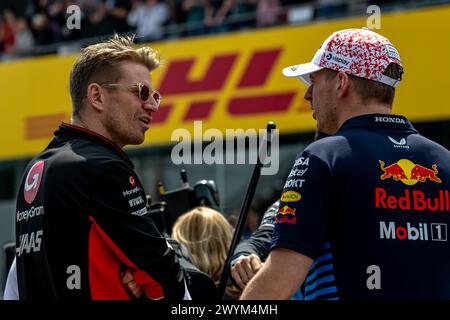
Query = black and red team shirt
x=80 y=223
x=371 y=206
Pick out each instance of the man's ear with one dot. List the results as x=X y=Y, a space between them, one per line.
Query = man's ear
x=344 y=84
x=95 y=96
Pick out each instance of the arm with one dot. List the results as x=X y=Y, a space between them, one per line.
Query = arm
x=135 y=290
x=209 y=13
x=249 y=254
x=301 y=228
x=223 y=11
x=118 y=218
x=259 y=242
x=280 y=277
x=133 y=15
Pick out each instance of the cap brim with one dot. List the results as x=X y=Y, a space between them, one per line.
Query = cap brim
x=301 y=71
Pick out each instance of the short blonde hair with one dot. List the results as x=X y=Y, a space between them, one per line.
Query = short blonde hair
x=207 y=235
x=101 y=63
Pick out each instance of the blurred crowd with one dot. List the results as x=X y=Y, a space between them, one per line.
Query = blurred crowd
x=28 y=23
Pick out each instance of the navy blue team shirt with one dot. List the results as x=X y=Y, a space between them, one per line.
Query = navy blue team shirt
x=371 y=206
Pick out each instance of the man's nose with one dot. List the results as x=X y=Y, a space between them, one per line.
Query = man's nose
x=151 y=105
x=308 y=93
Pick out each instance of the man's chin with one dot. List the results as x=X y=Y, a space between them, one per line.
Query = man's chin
x=136 y=140
x=139 y=141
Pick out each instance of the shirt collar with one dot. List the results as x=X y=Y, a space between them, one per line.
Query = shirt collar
x=69 y=130
x=379 y=121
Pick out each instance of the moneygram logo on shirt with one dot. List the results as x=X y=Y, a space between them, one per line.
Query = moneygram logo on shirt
x=126 y=193
x=33 y=181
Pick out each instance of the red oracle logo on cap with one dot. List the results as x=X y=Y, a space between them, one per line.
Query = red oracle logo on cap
x=33 y=181
x=132 y=181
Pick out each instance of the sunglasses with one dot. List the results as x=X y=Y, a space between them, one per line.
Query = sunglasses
x=141 y=89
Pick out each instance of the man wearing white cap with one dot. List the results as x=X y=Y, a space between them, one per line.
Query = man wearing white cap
x=364 y=213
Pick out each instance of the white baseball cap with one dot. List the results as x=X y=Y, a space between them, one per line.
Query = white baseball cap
x=359 y=52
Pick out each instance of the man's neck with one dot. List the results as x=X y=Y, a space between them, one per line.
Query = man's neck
x=92 y=125
x=76 y=121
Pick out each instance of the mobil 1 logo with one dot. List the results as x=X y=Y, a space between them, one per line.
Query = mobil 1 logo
x=391 y=230
x=438 y=231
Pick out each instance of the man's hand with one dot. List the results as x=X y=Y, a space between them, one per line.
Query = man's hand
x=245 y=268
x=134 y=290
x=283 y=273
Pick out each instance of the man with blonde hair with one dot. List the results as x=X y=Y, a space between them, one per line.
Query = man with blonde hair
x=81 y=207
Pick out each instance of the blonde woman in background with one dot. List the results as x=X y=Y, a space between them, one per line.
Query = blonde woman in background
x=207 y=235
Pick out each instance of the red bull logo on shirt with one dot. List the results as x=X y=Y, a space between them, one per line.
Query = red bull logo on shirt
x=286 y=212
x=412 y=200
x=408 y=172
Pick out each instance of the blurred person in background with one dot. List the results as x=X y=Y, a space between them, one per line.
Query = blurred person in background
x=207 y=235
x=24 y=36
x=149 y=19
x=195 y=16
x=8 y=30
x=108 y=17
x=176 y=12
x=328 y=9
x=42 y=30
x=216 y=11
x=268 y=13
x=244 y=11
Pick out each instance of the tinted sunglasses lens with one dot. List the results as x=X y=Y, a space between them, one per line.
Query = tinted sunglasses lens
x=156 y=96
x=144 y=93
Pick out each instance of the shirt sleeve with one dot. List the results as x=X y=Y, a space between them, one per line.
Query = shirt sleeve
x=118 y=213
x=260 y=240
x=303 y=217
x=11 y=287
